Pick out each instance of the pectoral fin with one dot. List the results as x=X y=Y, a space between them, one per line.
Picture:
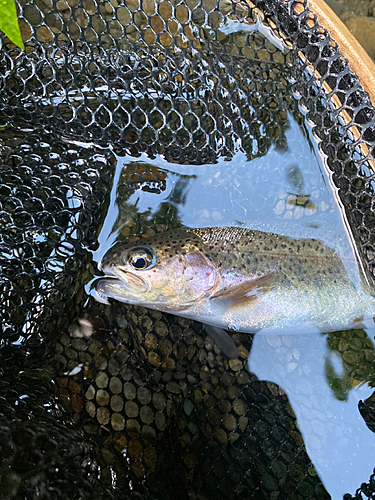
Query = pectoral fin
x=234 y=296
x=223 y=340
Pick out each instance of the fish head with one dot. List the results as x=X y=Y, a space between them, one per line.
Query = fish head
x=169 y=272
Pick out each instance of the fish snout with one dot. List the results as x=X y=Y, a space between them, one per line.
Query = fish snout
x=111 y=259
x=106 y=267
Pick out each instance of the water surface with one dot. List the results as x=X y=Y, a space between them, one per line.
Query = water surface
x=286 y=191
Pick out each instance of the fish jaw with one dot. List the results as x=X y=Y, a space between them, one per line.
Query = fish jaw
x=125 y=286
x=114 y=288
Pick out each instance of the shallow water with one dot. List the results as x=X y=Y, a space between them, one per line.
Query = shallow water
x=285 y=191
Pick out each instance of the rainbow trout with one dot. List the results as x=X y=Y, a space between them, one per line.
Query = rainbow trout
x=236 y=278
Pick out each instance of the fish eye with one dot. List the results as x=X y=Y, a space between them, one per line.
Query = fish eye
x=140 y=258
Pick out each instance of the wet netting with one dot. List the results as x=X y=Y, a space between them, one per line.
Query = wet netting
x=116 y=401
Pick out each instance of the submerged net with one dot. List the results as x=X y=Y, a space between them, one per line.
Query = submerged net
x=117 y=401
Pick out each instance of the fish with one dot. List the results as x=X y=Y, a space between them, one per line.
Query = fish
x=237 y=279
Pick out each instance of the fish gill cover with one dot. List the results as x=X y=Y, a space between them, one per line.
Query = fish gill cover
x=118 y=401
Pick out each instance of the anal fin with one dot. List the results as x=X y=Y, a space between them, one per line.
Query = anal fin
x=223 y=340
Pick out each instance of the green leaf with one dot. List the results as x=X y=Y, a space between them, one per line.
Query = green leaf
x=9 y=23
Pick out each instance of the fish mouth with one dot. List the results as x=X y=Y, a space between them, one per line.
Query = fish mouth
x=118 y=281
x=110 y=287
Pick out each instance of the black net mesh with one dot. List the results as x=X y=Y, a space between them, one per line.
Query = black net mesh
x=117 y=401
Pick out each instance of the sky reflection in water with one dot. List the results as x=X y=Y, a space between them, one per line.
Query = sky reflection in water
x=337 y=440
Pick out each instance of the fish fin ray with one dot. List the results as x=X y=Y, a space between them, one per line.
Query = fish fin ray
x=234 y=296
x=223 y=340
